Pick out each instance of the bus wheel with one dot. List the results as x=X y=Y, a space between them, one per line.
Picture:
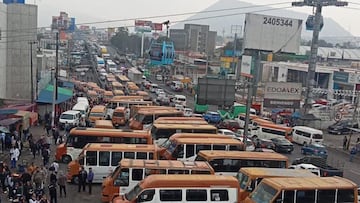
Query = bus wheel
x=66 y=159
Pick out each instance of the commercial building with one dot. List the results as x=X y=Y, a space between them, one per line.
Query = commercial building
x=18 y=27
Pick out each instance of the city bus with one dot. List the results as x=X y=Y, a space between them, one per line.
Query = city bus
x=117 y=86
x=144 y=118
x=144 y=94
x=270 y=130
x=129 y=172
x=122 y=79
x=183 y=188
x=175 y=136
x=305 y=189
x=230 y=162
x=182 y=121
x=79 y=137
x=105 y=124
x=250 y=177
x=108 y=95
x=175 y=119
x=161 y=132
x=187 y=148
x=104 y=157
x=118 y=93
x=115 y=102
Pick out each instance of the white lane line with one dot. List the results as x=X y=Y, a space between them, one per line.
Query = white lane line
x=357 y=172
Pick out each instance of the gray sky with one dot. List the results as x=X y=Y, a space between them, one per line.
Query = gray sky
x=101 y=10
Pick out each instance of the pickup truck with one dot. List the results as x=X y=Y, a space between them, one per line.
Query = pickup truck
x=325 y=169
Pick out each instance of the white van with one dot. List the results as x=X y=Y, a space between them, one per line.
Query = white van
x=70 y=117
x=306 y=135
x=83 y=100
x=177 y=86
x=179 y=99
x=153 y=87
x=83 y=108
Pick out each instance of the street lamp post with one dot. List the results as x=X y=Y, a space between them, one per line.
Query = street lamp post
x=31 y=71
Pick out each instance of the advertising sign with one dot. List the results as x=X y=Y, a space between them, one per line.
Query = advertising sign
x=341 y=77
x=272 y=33
x=216 y=91
x=282 y=95
x=246 y=64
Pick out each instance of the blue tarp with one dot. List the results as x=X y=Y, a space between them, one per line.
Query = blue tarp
x=46 y=96
x=66 y=84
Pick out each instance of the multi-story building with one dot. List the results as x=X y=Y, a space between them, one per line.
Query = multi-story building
x=196 y=38
x=18 y=29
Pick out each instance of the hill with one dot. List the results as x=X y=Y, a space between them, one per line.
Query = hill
x=223 y=24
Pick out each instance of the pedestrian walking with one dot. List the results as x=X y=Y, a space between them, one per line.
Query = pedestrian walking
x=62 y=183
x=14 y=156
x=82 y=179
x=352 y=153
x=2 y=140
x=90 y=179
x=345 y=140
x=46 y=155
x=55 y=166
x=52 y=192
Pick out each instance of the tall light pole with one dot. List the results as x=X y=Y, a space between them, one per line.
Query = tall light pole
x=31 y=71
x=236 y=29
x=55 y=89
x=318 y=4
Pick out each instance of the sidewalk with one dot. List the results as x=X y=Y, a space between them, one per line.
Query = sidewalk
x=335 y=142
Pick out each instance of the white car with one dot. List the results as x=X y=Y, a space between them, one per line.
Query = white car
x=179 y=107
x=188 y=112
x=159 y=91
x=249 y=144
x=313 y=169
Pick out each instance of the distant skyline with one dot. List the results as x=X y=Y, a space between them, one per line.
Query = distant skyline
x=106 y=10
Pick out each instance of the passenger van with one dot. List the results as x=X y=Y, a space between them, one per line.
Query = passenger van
x=130 y=172
x=83 y=108
x=179 y=99
x=97 y=112
x=83 y=100
x=118 y=117
x=71 y=118
x=250 y=177
x=105 y=124
x=183 y=188
x=305 y=189
x=177 y=86
x=108 y=95
x=306 y=135
x=102 y=157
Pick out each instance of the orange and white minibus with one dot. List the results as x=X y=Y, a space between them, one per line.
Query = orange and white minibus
x=161 y=132
x=187 y=148
x=97 y=112
x=305 y=189
x=183 y=188
x=230 y=162
x=266 y=130
x=181 y=120
x=144 y=118
x=118 y=93
x=250 y=177
x=108 y=95
x=117 y=86
x=116 y=102
x=79 y=137
x=105 y=124
x=122 y=79
x=144 y=94
x=130 y=172
x=104 y=157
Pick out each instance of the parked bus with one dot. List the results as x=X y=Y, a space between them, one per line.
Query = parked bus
x=270 y=130
x=187 y=148
x=183 y=188
x=230 y=162
x=130 y=172
x=250 y=177
x=182 y=121
x=115 y=102
x=144 y=118
x=108 y=95
x=305 y=189
x=79 y=137
x=161 y=132
x=105 y=124
x=174 y=119
x=122 y=79
x=97 y=112
x=118 y=117
x=144 y=94
x=117 y=86
x=104 y=157
x=175 y=136
x=118 y=93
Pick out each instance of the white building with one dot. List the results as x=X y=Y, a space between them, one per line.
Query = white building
x=18 y=27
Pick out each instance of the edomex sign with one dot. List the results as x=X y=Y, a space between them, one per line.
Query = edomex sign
x=282 y=95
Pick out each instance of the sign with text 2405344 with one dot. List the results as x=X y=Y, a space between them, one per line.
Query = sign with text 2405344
x=282 y=95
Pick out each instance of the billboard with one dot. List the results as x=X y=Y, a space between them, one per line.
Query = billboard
x=147 y=26
x=215 y=91
x=272 y=33
x=14 y=1
x=282 y=95
x=246 y=63
x=72 y=25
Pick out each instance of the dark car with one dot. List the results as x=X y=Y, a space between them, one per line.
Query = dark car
x=232 y=125
x=264 y=143
x=315 y=149
x=282 y=145
x=212 y=117
x=342 y=127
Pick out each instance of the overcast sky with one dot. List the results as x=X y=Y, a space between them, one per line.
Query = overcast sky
x=102 y=10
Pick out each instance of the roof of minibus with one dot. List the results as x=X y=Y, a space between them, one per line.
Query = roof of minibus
x=193 y=140
x=91 y=92
x=158 y=111
x=166 y=164
x=214 y=154
x=116 y=84
x=119 y=108
x=183 y=121
x=262 y=121
x=303 y=183
x=103 y=124
x=198 y=135
x=261 y=172
x=118 y=91
x=142 y=93
x=251 y=116
x=276 y=126
x=181 y=118
x=98 y=108
x=123 y=78
x=108 y=93
x=178 y=181
x=184 y=126
x=107 y=132
x=121 y=98
x=305 y=128
x=119 y=147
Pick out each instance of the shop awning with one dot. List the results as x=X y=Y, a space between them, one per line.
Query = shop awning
x=9 y=121
x=46 y=95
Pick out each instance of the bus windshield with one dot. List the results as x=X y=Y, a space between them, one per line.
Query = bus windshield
x=132 y=194
x=263 y=193
x=243 y=179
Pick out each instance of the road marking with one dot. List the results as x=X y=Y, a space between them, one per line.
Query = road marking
x=357 y=172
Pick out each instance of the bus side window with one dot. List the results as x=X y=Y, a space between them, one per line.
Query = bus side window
x=123 y=178
x=116 y=158
x=325 y=196
x=345 y=196
x=219 y=195
x=179 y=152
x=141 y=155
x=146 y=196
x=129 y=155
x=189 y=151
x=104 y=158
x=202 y=147
x=288 y=196
x=91 y=158
x=137 y=174
x=305 y=196
x=151 y=155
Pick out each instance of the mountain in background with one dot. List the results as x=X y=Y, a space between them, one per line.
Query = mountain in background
x=223 y=24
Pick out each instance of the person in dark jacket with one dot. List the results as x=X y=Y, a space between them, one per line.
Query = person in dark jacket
x=82 y=179
x=90 y=179
x=52 y=193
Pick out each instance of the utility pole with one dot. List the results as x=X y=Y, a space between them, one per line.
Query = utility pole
x=354 y=118
x=31 y=71
x=55 y=91
x=318 y=4
x=236 y=29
